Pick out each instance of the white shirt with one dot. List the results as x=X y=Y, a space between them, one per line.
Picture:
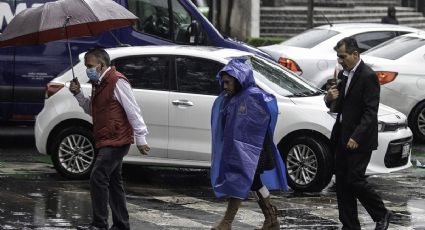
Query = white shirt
x=350 y=74
x=124 y=95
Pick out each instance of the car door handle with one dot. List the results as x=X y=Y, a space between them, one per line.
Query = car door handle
x=182 y=102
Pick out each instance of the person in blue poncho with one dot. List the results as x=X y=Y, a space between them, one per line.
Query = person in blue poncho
x=244 y=157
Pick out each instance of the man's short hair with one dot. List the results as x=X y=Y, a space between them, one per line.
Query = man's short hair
x=350 y=45
x=101 y=55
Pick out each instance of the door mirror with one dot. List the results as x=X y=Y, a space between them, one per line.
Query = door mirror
x=194 y=31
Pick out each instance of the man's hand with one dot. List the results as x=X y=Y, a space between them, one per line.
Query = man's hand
x=332 y=94
x=74 y=86
x=144 y=149
x=352 y=144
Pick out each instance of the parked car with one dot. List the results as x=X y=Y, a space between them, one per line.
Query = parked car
x=399 y=64
x=311 y=54
x=175 y=87
x=25 y=70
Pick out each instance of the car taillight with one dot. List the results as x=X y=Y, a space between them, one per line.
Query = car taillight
x=52 y=88
x=385 y=76
x=290 y=64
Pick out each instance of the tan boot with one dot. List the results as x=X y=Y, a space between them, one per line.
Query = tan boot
x=229 y=215
x=270 y=213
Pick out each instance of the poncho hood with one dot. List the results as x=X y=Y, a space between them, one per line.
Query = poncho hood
x=238 y=69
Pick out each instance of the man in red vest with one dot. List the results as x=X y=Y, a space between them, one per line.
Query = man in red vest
x=117 y=121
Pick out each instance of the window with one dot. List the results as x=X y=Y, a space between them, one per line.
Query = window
x=145 y=72
x=310 y=38
x=181 y=20
x=368 y=40
x=153 y=17
x=195 y=75
x=281 y=81
x=396 y=48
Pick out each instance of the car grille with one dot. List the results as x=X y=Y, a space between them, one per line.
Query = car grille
x=393 y=157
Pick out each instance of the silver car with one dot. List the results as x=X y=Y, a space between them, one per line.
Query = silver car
x=399 y=64
x=311 y=54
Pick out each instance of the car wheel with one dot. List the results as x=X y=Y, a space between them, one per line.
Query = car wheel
x=417 y=122
x=73 y=152
x=309 y=164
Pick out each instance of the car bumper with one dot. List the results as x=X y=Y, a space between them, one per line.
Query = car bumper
x=389 y=155
x=40 y=133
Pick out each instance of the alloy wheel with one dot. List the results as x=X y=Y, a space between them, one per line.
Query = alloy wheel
x=76 y=153
x=301 y=164
x=421 y=121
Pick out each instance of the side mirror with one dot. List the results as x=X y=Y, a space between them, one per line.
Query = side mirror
x=194 y=31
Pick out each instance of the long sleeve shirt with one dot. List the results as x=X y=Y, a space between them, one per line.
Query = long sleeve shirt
x=124 y=95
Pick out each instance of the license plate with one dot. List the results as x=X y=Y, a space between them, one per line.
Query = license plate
x=406 y=150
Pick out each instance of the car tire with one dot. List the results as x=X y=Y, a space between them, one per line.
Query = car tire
x=309 y=163
x=73 y=152
x=416 y=120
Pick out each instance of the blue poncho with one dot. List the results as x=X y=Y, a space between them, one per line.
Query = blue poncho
x=239 y=125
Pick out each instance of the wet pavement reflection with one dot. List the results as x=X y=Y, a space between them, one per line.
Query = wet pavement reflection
x=33 y=196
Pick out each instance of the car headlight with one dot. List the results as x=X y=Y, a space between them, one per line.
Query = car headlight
x=391 y=127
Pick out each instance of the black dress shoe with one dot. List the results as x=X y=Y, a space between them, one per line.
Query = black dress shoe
x=383 y=224
x=90 y=227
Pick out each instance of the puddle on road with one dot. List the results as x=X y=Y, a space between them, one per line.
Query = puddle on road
x=42 y=205
x=48 y=202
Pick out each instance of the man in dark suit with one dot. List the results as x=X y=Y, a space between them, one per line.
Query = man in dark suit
x=355 y=136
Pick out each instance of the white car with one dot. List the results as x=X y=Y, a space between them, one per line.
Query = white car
x=400 y=67
x=311 y=54
x=175 y=87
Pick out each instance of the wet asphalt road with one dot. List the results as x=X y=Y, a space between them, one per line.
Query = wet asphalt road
x=33 y=196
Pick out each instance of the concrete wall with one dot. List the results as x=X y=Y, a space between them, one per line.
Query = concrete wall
x=245 y=19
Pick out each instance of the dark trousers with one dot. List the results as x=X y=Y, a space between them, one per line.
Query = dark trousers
x=351 y=184
x=106 y=185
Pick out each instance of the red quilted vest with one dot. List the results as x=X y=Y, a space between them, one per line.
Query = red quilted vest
x=110 y=123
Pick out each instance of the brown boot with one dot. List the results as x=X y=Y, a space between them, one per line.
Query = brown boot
x=270 y=213
x=229 y=215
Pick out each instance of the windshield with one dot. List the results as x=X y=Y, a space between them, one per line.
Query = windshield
x=396 y=48
x=310 y=38
x=280 y=80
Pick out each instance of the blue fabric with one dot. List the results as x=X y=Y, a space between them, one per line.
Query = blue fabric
x=239 y=125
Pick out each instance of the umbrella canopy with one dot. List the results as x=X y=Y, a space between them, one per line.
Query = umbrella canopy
x=65 y=19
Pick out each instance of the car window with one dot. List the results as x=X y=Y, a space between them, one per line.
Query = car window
x=154 y=19
x=196 y=75
x=182 y=20
x=402 y=32
x=153 y=16
x=310 y=38
x=396 y=48
x=280 y=80
x=145 y=72
x=368 y=40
